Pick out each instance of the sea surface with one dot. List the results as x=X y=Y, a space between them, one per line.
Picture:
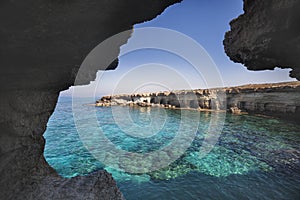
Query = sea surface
x=185 y=154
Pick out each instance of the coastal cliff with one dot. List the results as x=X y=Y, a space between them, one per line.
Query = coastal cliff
x=277 y=99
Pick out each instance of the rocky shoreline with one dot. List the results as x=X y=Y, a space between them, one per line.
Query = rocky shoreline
x=273 y=99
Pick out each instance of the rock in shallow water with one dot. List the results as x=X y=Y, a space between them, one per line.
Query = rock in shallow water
x=224 y=162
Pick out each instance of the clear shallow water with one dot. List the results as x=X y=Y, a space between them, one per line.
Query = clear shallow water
x=254 y=157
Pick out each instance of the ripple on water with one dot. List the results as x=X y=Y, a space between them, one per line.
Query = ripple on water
x=252 y=153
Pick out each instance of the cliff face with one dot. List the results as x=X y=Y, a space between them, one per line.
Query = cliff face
x=280 y=99
x=266 y=36
x=43 y=43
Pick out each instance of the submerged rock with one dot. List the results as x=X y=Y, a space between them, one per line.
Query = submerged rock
x=224 y=162
x=174 y=170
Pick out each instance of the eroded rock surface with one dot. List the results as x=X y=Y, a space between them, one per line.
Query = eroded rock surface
x=266 y=36
x=278 y=99
x=43 y=44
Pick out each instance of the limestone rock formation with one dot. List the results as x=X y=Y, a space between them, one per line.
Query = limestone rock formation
x=43 y=44
x=266 y=36
x=277 y=99
x=235 y=110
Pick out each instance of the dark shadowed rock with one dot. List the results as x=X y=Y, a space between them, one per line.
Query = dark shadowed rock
x=43 y=44
x=266 y=36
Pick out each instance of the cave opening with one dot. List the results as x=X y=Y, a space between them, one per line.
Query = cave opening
x=242 y=105
x=194 y=104
x=77 y=160
x=152 y=100
x=163 y=101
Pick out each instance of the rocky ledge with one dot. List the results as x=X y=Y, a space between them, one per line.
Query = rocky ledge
x=277 y=99
x=266 y=35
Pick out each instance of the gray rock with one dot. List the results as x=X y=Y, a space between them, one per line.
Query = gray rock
x=43 y=44
x=266 y=35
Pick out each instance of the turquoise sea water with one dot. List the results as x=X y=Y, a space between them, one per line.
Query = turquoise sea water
x=252 y=158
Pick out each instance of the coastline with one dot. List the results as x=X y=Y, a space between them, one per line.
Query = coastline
x=273 y=100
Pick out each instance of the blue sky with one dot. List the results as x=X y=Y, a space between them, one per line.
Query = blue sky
x=206 y=22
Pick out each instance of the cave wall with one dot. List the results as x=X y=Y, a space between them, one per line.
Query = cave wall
x=266 y=36
x=43 y=44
